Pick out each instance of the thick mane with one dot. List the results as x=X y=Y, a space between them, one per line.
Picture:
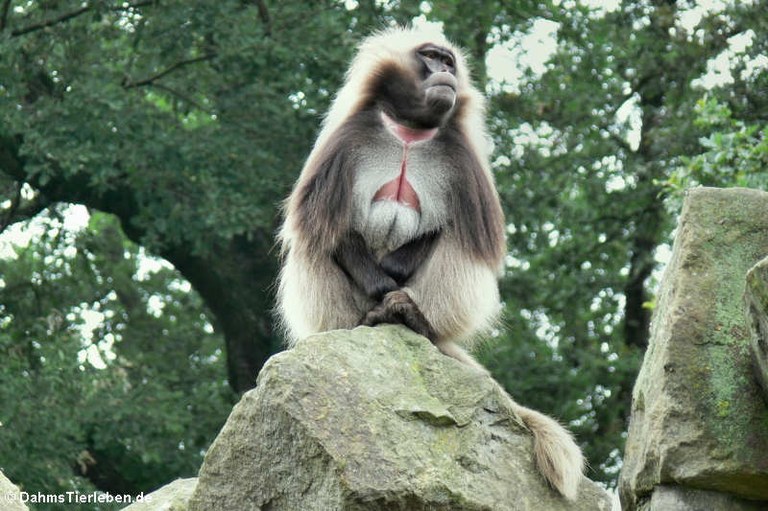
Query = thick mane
x=390 y=47
x=477 y=217
x=476 y=214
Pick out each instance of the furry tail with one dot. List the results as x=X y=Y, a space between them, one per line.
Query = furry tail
x=558 y=458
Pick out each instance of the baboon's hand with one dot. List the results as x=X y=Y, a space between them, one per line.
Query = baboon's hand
x=397 y=307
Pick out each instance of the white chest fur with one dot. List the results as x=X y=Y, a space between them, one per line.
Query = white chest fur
x=384 y=221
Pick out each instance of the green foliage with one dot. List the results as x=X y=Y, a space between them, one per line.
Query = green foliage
x=111 y=375
x=179 y=100
x=582 y=154
x=735 y=151
x=189 y=121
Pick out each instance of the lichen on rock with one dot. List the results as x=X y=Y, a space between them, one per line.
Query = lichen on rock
x=376 y=419
x=698 y=417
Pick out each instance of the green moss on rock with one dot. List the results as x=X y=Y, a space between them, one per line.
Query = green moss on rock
x=697 y=410
x=376 y=419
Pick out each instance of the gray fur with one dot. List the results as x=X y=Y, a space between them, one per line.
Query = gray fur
x=455 y=287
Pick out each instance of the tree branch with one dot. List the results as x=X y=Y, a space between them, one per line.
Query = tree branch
x=265 y=17
x=10 y=162
x=12 y=165
x=183 y=97
x=4 y=14
x=173 y=67
x=12 y=209
x=50 y=22
x=22 y=210
x=61 y=187
x=71 y=15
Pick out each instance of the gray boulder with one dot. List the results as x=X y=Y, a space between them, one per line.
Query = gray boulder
x=698 y=417
x=680 y=498
x=375 y=419
x=757 y=303
x=171 y=497
x=10 y=496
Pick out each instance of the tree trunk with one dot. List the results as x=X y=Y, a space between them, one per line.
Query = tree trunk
x=234 y=278
x=236 y=283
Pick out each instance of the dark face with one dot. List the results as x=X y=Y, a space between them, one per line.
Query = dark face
x=436 y=59
x=437 y=66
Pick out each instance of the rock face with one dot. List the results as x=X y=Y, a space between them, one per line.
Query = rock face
x=375 y=419
x=10 y=498
x=171 y=497
x=757 y=303
x=679 y=498
x=699 y=420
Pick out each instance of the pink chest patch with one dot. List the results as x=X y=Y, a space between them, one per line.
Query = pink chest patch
x=405 y=134
x=400 y=189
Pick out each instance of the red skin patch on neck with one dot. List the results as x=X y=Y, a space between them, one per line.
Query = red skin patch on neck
x=400 y=189
x=405 y=134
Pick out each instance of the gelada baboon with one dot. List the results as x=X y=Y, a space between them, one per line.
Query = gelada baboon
x=395 y=217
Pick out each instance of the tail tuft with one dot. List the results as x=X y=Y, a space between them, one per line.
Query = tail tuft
x=558 y=458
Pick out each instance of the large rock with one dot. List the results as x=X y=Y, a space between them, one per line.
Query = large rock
x=757 y=303
x=698 y=418
x=680 y=498
x=10 y=496
x=171 y=497
x=375 y=419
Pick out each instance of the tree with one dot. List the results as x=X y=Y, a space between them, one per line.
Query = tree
x=735 y=151
x=189 y=133
x=120 y=404
x=584 y=152
x=189 y=120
